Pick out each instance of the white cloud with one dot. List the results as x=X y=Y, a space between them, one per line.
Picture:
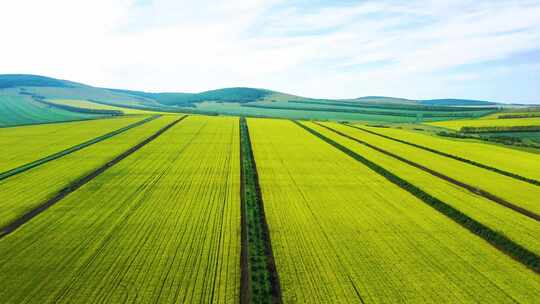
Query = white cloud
x=375 y=47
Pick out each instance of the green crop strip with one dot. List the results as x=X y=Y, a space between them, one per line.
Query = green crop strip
x=260 y=282
x=471 y=162
x=496 y=239
x=78 y=147
x=79 y=183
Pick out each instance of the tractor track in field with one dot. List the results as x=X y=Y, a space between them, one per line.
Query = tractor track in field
x=10 y=228
x=447 y=178
x=458 y=158
x=57 y=155
x=256 y=204
x=496 y=239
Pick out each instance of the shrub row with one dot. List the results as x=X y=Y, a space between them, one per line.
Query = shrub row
x=500 y=129
x=395 y=106
x=260 y=282
x=508 y=116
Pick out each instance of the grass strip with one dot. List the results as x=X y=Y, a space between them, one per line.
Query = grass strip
x=471 y=162
x=260 y=281
x=79 y=183
x=495 y=238
x=78 y=147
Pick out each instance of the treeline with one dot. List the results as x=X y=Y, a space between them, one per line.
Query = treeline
x=410 y=107
x=500 y=129
x=528 y=115
x=369 y=112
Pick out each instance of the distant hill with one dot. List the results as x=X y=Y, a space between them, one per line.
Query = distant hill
x=240 y=95
x=58 y=88
x=26 y=91
x=22 y=80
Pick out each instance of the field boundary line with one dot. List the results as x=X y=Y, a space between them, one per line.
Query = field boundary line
x=13 y=226
x=465 y=160
x=468 y=187
x=72 y=149
x=254 y=217
x=498 y=240
x=245 y=282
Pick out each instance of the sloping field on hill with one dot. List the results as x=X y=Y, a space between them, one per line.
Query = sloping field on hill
x=495 y=156
x=84 y=104
x=522 y=229
x=25 y=144
x=340 y=235
x=22 y=110
x=162 y=226
x=519 y=193
x=27 y=190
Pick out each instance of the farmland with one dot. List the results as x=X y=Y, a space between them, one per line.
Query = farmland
x=153 y=230
x=48 y=139
x=520 y=193
x=147 y=207
x=51 y=177
x=99 y=106
x=16 y=110
x=483 y=153
x=339 y=236
x=519 y=228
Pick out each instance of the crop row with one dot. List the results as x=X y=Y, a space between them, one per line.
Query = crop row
x=161 y=226
x=343 y=233
x=23 y=192
x=515 y=163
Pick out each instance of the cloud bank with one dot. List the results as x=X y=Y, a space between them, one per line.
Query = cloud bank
x=336 y=49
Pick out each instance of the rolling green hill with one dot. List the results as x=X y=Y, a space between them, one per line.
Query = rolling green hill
x=21 y=110
x=230 y=101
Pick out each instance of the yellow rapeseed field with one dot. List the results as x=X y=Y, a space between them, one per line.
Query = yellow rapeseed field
x=21 y=145
x=522 y=229
x=162 y=226
x=515 y=191
x=515 y=161
x=341 y=233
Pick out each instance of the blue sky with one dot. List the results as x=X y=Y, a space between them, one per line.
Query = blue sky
x=332 y=49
